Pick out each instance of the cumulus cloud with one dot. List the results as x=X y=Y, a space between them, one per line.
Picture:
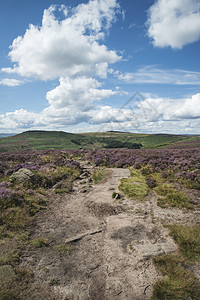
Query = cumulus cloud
x=11 y=82
x=73 y=100
x=152 y=74
x=18 y=119
x=79 y=93
x=174 y=23
x=169 y=109
x=148 y=115
x=69 y=47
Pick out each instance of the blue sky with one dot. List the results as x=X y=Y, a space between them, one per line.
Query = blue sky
x=74 y=65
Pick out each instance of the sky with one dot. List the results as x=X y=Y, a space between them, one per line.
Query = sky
x=99 y=65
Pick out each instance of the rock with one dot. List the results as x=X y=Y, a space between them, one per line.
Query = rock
x=147 y=251
x=6 y=273
x=84 y=175
x=117 y=196
x=84 y=190
x=23 y=176
x=111 y=189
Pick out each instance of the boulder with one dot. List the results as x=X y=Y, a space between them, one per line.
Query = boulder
x=23 y=176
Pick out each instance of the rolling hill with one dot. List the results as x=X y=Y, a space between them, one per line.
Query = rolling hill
x=50 y=140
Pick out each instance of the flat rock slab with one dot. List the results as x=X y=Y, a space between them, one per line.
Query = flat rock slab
x=147 y=251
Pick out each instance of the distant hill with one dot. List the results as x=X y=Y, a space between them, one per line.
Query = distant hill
x=41 y=140
x=6 y=134
x=50 y=140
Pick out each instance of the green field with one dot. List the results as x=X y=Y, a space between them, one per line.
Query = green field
x=49 y=140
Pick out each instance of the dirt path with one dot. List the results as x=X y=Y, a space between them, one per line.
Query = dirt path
x=111 y=244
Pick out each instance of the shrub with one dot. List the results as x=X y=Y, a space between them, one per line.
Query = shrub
x=151 y=182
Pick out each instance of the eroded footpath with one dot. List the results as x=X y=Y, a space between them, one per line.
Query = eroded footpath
x=98 y=247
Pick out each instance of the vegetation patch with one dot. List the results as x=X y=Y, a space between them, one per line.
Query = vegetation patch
x=135 y=186
x=188 y=239
x=65 y=248
x=178 y=283
x=99 y=175
x=39 y=243
x=171 y=197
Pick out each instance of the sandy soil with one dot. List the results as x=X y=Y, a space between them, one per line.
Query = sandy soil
x=112 y=243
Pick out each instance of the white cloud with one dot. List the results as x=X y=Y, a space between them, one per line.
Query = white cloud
x=169 y=110
x=72 y=101
x=17 y=119
x=151 y=74
x=149 y=115
x=174 y=23
x=11 y=82
x=70 y=47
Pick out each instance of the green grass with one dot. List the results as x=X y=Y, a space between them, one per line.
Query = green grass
x=12 y=258
x=99 y=175
x=49 y=177
x=39 y=243
x=14 y=218
x=171 y=197
x=178 y=282
x=49 y=140
x=188 y=239
x=41 y=140
x=64 y=248
x=134 y=187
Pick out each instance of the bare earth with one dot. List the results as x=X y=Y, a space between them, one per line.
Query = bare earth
x=112 y=243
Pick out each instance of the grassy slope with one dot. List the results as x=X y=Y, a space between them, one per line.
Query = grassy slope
x=147 y=140
x=43 y=140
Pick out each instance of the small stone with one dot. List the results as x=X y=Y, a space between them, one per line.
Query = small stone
x=111 y=189
x=84 y=191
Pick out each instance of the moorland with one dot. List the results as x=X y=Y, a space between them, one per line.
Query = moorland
x=99 y=216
